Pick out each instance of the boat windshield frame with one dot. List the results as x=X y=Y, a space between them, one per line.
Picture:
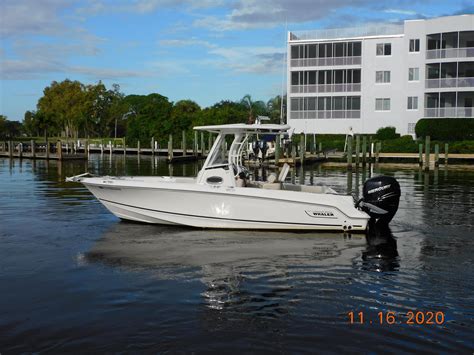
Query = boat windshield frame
x=222 y=157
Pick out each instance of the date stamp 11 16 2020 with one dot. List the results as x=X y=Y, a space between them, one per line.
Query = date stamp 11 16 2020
x=389 y=318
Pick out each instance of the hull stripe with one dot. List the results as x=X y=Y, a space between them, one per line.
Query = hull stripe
x=219 y=218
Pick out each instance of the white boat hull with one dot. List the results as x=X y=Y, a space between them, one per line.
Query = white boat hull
x=180 y=201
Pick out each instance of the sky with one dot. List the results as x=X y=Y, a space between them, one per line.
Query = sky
x=206 y=51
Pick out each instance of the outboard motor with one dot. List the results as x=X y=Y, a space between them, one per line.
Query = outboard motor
x=381 y=198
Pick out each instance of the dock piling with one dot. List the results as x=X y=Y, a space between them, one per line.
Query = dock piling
x=277 y=149
x=420 y=154
x=33 y=149
x=59 y=150
x=357 y=150
x=170 y=147
x=364 y=150
x=195 y=144
x=293 y=153
x=153 y=146
x=203 y=148
x=378 y=146
x=446 y=152
x=436 y=162
x=302 y=147
x=349 y=152
x=427 y=153
x=183 y=143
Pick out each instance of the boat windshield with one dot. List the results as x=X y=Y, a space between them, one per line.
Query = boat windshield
x=220 y=154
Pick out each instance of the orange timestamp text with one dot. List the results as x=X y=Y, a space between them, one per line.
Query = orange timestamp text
x=389 y=317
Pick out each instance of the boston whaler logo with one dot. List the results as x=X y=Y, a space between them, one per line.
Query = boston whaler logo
x=319 y=214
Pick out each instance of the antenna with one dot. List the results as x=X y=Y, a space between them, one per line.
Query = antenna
x=284 y=71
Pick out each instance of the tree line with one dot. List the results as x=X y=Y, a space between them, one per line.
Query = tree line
x=72 y=109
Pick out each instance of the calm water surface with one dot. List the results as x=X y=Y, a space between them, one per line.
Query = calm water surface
x=75 y=278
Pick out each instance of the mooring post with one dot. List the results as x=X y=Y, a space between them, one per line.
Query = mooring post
x=420 y=154
x=33 y=149
x=203 y=148
x=153 y=146
x=170 y=147
x=138 y=148
x=293 y=153
x=349 y=152
x=364 y=150
x=302 y=147
x=101 y=146
x=277 y=149
x=436 y=162
x=183 y=144
x=59 y=150
x=446 y=152
x=378 y=146
x=10 y=149
x=124 y=144
x=86 y=148
x=320 y=150
x=195 y=144
x=370 y=149
x=47 y=149
x=357 y=151
x=427 y=153
x=110 y=148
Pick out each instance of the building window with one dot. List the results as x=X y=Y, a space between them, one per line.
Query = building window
x=384 y=49
x=414 y=45
x=382 y=77
x=412 y=103
x=382 y=104
x=413 y=74
x=411 y=128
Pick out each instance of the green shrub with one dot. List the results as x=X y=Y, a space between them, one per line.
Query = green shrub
x=446 y=129
x=385 y=133
x=404 y=144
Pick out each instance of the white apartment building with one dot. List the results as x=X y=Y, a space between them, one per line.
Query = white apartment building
x=378 y=76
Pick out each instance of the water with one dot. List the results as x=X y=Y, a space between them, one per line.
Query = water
x=75 y=278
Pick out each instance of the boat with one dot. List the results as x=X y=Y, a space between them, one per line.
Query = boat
x=224 y=196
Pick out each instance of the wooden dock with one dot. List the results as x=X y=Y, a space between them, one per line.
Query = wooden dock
x=34 y=150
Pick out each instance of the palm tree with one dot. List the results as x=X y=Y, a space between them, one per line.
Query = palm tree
x=254 y=108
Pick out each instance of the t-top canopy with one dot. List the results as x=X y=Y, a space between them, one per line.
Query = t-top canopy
x=245 y=128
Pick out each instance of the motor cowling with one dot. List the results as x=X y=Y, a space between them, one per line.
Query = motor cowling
x=383 y=192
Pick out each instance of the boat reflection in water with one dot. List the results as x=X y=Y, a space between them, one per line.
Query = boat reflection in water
x=381 y=253
x=240 y=270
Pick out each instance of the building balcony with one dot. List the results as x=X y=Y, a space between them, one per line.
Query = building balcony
x=321 y=62
x=325 y=114
x=466 y=52
x=324 y=88
x=448 y=112
x=449 y=83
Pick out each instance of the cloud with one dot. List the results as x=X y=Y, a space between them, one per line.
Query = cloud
x=400 y=12
x=186 y=43
x=38 y=68
x=20 y=17
x=257 y=60
x=250 y=14
x=95 y=7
